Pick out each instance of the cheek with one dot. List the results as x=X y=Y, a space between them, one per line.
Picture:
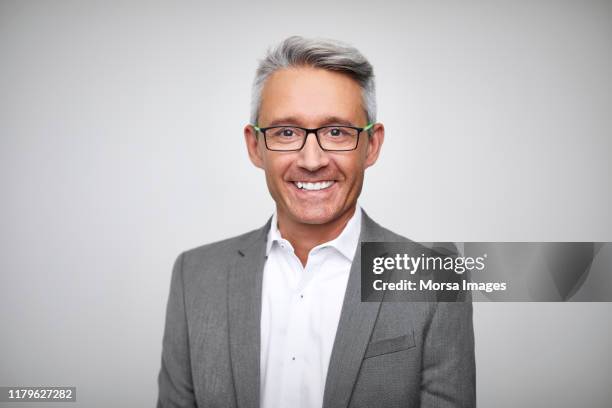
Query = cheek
x=352 y=167
x=275 y=168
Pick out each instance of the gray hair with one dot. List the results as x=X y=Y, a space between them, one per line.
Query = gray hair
x=328 y=54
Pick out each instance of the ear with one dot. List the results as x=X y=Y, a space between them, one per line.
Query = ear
x=375 y=141
x=252 y=145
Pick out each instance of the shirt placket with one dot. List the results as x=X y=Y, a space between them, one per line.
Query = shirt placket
x=297 y=331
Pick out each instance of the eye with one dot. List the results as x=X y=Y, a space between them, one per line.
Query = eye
x=284 y=132
x=338 y=131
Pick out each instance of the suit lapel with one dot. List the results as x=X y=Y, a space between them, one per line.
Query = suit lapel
x=357 y=320
x=244 y=310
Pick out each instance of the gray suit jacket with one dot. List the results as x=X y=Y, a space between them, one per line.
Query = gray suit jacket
x=389 y=354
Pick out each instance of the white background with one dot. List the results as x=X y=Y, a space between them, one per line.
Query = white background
x=121 y=146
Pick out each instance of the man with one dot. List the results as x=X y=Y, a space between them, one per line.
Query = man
x=273 y=318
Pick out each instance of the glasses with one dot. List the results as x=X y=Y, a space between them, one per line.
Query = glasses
x=330 y=138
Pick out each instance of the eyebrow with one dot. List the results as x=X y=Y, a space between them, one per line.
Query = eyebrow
x=328 y=120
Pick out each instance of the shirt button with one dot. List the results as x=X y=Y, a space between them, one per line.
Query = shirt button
x=293 y=358
x=301 y=296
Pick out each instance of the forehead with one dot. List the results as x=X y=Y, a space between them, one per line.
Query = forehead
x=311 y=95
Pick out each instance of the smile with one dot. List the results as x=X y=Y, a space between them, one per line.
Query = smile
x=320 y=185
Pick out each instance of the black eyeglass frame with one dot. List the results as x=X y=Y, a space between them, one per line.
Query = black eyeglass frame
x=316 y=133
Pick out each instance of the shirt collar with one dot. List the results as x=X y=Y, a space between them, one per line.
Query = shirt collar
x=346 y=243
x=273 y=234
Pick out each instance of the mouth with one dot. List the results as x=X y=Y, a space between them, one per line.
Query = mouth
x=316 y=186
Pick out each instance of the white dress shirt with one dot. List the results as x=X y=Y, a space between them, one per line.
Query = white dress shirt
x=299 y=316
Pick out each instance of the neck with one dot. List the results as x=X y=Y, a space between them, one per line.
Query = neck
x=304 y=237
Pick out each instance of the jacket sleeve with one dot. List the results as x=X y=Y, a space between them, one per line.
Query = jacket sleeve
x=449 y=368
x=174 y=380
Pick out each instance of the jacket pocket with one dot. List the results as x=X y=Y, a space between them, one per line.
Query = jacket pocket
x=391 y=345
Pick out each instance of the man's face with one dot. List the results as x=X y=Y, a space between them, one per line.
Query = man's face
x=313 y=97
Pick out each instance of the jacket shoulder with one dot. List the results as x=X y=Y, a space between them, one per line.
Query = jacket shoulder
x=393 y=236
x=382 y=233
x=221 y=252
x=443 y=247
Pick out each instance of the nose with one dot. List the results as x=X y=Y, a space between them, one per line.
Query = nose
x=312 y=157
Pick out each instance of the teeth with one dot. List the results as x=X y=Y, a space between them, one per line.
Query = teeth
x=314 y=186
